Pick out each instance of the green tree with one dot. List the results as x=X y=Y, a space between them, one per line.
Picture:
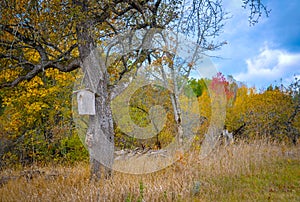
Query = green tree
x=198 y=86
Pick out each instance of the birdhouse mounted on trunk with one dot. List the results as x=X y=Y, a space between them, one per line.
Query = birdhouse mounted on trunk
x=86 y=102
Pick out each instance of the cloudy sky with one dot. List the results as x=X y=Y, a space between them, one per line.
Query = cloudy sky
x=266 y=53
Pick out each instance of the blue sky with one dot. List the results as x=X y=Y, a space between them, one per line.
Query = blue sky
x=266 y=53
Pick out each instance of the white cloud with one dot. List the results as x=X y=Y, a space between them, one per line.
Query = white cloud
x=270 y=65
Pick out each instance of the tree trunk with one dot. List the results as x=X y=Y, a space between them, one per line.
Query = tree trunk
x=100 y=134
x=177 y=116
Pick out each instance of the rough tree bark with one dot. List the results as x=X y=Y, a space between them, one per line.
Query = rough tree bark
x=100 y=127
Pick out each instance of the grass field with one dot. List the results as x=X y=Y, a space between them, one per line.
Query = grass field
x=240 y=172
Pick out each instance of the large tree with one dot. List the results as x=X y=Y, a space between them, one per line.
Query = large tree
x=36 y=35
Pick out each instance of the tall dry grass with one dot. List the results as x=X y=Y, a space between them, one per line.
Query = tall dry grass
x=189 y=179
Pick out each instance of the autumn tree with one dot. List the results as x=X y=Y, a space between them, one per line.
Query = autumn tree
x=293 y=122
x=271 y=114
x=36 y=124
x=39 y=35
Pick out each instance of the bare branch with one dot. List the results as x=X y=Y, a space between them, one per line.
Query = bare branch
x=257 y=9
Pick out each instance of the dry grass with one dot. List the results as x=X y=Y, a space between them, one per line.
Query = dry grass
x=240 y=172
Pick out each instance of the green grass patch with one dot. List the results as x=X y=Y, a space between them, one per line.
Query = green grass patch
x=277 y=181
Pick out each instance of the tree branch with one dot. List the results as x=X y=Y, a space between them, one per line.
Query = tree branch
x=74 y=64
x=27 y=40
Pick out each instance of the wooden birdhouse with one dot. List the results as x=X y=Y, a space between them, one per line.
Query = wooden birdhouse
x=86 y=102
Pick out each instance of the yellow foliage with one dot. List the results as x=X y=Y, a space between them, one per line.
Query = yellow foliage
x=35 y=101
x=265 y=114
x=205 y=105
